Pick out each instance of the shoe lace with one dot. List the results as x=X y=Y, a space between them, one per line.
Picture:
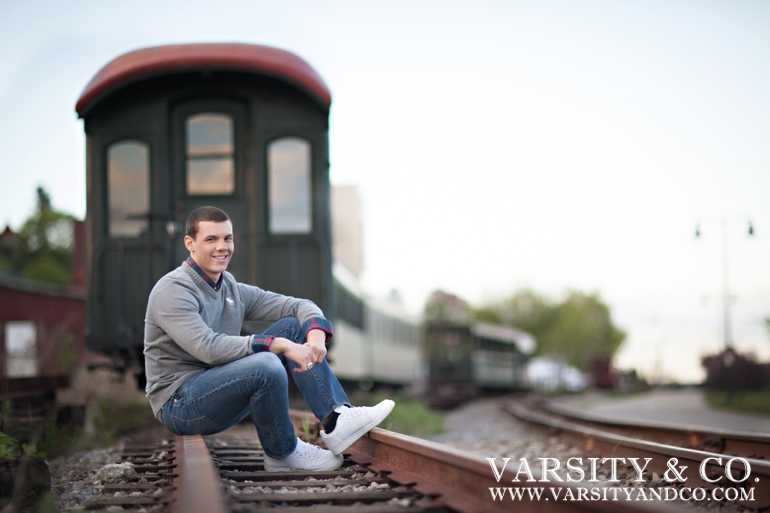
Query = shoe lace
x=354 y=411
x=310 y=451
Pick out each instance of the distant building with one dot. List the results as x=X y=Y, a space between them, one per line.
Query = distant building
x=7 y=242
x=347 y=229
x=41 y=324
x=42 y=327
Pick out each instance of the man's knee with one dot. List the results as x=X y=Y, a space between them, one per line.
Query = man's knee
x=289 y=327
x=269 y=367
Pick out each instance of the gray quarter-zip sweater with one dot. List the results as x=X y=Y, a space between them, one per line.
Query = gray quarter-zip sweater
x=190 y=327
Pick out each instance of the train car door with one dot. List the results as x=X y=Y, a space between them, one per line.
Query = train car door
x=210 y=169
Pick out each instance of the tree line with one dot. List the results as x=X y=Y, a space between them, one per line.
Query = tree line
x=41 y=249
x=576 y=330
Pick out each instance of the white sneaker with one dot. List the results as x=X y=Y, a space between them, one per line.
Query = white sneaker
x=305 y=457
x=353 y=423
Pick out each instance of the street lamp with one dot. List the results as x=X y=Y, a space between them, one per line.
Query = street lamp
x=729 y=354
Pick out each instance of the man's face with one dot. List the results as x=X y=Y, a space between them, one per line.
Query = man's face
x=212 y=247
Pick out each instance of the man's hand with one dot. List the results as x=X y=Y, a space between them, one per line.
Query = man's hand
x=313 y=351
x=316 y=341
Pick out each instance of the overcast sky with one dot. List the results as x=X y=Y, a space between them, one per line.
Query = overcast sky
x=497 y=145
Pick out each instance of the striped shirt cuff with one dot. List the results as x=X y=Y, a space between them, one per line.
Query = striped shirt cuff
x=261 y=343
x=319 y=323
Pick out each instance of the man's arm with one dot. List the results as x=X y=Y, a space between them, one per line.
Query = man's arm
x=263 y=305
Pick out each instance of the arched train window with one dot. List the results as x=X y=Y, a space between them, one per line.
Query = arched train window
x=210 y=154
x=289 y=185
x=128 y=187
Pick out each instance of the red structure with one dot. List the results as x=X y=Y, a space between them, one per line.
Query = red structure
x=57 y=315
x=602 y=373
x=42 y=325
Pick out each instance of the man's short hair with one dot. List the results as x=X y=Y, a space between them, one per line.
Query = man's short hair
x=214 y=214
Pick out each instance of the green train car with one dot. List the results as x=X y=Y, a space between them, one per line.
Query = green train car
x=171 y=128
x=464 y=360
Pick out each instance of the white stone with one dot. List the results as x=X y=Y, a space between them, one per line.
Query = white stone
x=116 y=472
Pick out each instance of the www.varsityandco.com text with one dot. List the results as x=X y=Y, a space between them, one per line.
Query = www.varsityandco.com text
x=733 y=485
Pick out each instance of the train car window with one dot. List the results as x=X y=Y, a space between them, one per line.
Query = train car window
x=210 y=154
x=128 y=179
x=288 y=162
x=20 y=349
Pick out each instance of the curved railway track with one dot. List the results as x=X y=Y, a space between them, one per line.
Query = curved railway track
x=384 y=472
x=701 y=458
x=735 y=443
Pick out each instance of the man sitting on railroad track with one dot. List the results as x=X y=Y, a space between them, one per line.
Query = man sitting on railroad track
x=203 y=376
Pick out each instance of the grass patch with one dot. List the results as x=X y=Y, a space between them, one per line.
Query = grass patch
x=747 y=401
x=115 y=419
x=411 y=417
x=110 y=421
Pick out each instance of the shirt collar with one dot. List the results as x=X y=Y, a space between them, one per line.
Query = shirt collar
x=214 y=284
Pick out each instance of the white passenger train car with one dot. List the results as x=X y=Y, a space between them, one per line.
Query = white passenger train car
x=375 y=341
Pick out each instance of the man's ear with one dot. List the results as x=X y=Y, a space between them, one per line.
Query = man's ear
x=188 y=242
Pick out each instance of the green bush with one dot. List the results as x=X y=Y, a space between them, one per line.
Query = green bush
x=12 y=448
x=748 y=401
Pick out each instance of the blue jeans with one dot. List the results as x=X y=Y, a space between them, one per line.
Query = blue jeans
x=222 y=396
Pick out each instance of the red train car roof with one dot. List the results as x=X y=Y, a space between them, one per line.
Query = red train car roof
x=160 y=60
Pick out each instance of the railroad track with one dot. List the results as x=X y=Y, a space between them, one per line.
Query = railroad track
x=384 y=472
x=701 y=458
x=744 y=444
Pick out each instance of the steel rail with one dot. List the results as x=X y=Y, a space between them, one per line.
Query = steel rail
x=615 y=445
x=463 y=481
x=198 y=488
x=737 y=443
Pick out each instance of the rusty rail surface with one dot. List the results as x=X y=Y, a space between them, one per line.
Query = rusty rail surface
x=612 y=444
x=197 y=487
